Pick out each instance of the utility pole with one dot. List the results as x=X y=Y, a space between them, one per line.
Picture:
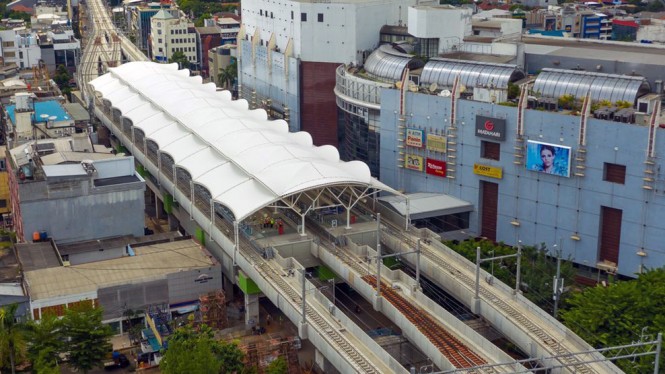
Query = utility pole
x=518 y=276
x=558 y=282
x=332 y=282
x=378 y=257
x=304 y=285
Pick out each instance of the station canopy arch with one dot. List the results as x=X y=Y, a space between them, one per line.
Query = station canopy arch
x=246 y=161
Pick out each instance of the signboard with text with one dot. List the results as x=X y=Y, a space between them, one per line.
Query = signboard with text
x=490 y=128
x=413 y=162
x=435 y=167
x=436 y=143
x=414 y=138
x=488 y=171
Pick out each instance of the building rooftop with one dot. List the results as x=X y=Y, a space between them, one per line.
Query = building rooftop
x=610 y=51
x=77 y=112
x=34 y=256
x=150 y=262
x=102 y=244
x=43 y=110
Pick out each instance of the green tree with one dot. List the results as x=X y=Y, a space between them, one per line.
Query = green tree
x=567 y=101
x=278 y=366
x=621 y=313
x=623 y=104
x=513 y=91
x=45 y=365
x=538 y=268
x=87 y=338
x=12 y=339
x=46 y=341
x=197 y=352
x=180 y=58
x=228 y=75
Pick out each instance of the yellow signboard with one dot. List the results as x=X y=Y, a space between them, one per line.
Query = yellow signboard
x=488 y=171
x=436 y=143
x=413 y=162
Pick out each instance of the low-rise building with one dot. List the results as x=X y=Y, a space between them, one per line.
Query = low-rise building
x=117 y=275
x=169 y=35
x=71 y=190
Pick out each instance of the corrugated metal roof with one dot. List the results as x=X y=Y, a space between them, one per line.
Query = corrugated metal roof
x=472 y=73
x=556 y=83
x=151 y=262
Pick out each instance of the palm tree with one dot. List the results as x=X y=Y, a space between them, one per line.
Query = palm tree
x=11 y=335
x=228 y=75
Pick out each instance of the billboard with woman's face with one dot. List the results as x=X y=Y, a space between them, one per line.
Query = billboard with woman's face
x=548 y=158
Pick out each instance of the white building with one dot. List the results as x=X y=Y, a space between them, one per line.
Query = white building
x=289 y=51
x=446 y=23
x=19 y=46
x=655 y=32
x=169 y=35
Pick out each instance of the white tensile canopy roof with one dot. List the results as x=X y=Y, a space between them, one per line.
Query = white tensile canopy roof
x=242 y=158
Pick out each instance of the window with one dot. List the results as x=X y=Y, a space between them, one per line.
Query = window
x=159 y=32
x=490 y=150
x=303 y=17
x=614 y=173
x=291 y=14
x=160 y=50
x=159 y=40
x=271 y=16
x=320 y=17
x=171 y=32
x=261 y=12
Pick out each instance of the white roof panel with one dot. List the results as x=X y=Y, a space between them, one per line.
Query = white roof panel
x=243 y=159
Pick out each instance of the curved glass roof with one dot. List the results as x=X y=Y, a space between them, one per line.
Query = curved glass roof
x=244 y=160
x=556 y=83
x=472 y=73
x=388 y=64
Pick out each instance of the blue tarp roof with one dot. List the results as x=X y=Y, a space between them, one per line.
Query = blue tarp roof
x=50 y=108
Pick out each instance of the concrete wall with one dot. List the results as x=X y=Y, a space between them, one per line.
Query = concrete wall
x=346 y=29
x=272 y=75
x=104 y=214
x=549 y=208
x=440 y=22
x=189 y=285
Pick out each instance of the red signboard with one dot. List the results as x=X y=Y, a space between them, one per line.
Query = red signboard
x=435 y=167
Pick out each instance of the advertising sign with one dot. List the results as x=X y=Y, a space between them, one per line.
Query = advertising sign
x=435 y=167
x=414 y=138
x=488 y=171
x=548 y=158
x=490 y=128
x=437 y=143
x=413 y=162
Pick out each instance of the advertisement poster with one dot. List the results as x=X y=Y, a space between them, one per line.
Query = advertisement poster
x=413 y=162
x=488 y=171
x=437 y=143
x=435 y=167
x=414 y=138
x=548 y=158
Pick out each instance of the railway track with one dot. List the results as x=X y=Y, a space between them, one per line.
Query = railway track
x=326 y=330
x=552 y=344
x=450 y=347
